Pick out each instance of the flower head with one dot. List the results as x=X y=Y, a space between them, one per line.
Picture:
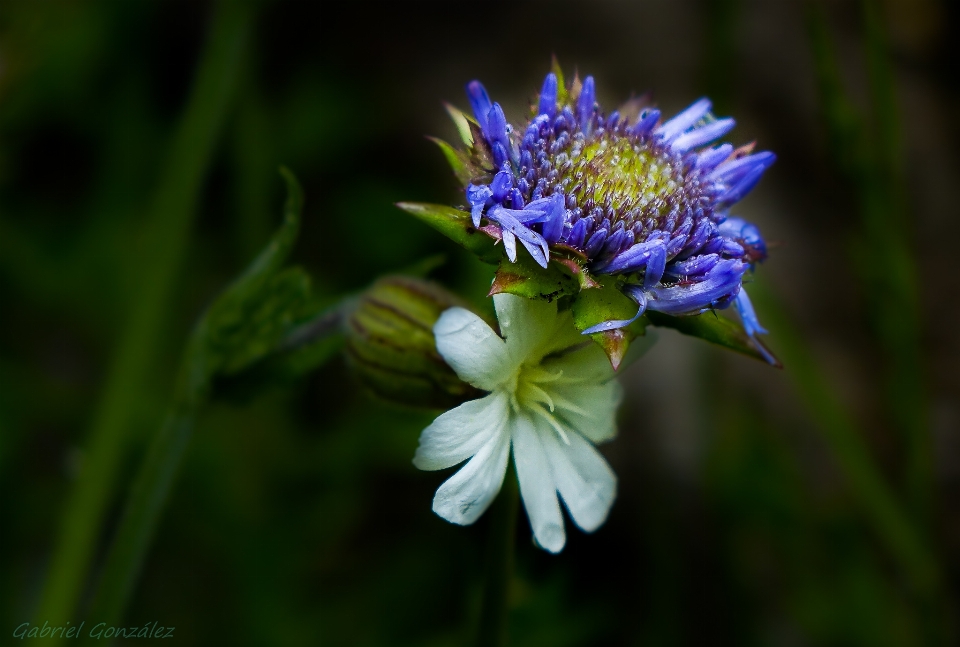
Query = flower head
x=625 y=194
x=551 y=397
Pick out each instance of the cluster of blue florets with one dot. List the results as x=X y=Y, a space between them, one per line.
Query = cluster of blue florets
x=641 y=198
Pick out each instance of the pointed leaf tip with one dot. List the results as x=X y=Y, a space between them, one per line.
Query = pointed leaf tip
x=716 y=330
x=457 y=226
x=458 y=160
x=614 y=343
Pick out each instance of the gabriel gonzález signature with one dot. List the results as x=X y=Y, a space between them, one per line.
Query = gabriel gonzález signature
x=97 y=631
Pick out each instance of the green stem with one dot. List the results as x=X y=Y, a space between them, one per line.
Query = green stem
x=148 y=494
x=165 y=238
x=153 y=483
x=499 y=565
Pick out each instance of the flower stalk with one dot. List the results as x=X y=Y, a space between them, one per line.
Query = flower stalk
x=494 y=608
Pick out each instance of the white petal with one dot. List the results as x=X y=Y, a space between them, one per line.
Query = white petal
x=536 y=485
x=532 y=327
x=596 y=418
x=467 y=494
x=477 y=354
x=583 y=477
x=459 y=433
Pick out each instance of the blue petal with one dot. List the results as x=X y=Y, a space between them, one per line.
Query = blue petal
x=740 y=229
x=585 y=102
x=732 y=248
x=742 y=187
x=693 y=298
x=634 y=258
x=696 y=266
x=480 y=102
x=751 y=326
x=554 y=212
x=477 y=196
x=548 y=96
x=509 y=244
x=612 y=244
x=655 y=266
x=669 y=130
x=709 y=158
x=645 y=123
x=701 y=234
x=476 y=212
x=595 y=242
x=747 y=315
x=730 y=172
x=478 y=193
x=499 y=153
x=577 y=234
x=530 y=239
x=496 y=130
x=502 y=182
x=702 y=136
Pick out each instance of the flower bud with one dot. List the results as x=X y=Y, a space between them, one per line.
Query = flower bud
x=391 y=346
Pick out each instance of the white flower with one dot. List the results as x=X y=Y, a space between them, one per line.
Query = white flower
x=552 y=396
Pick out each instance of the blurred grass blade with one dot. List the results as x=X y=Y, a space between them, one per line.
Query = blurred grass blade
x=248 y=321
x=893 y=526
x=895 y=292
x=164 y=238
x=870 y=154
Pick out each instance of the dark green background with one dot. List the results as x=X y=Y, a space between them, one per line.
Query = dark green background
x=298 y=517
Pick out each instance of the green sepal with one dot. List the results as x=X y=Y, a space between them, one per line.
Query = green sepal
x=604 y=303
x=457 y=226
x=480 y=152
x=714 y=329
x=525 y=278
x=462 y=122
x=458 y=161
x=562 y=97
x=577 y=267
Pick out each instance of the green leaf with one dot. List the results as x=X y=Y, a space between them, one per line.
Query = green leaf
x=458 y=161
x=247 y=327
x=253 y=315
x=713 y=329
x=525 y=278
x=457 y=226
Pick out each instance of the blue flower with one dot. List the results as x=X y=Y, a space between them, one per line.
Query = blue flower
x=626 y=194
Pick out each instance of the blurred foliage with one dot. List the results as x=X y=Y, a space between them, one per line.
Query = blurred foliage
x=297 y=517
